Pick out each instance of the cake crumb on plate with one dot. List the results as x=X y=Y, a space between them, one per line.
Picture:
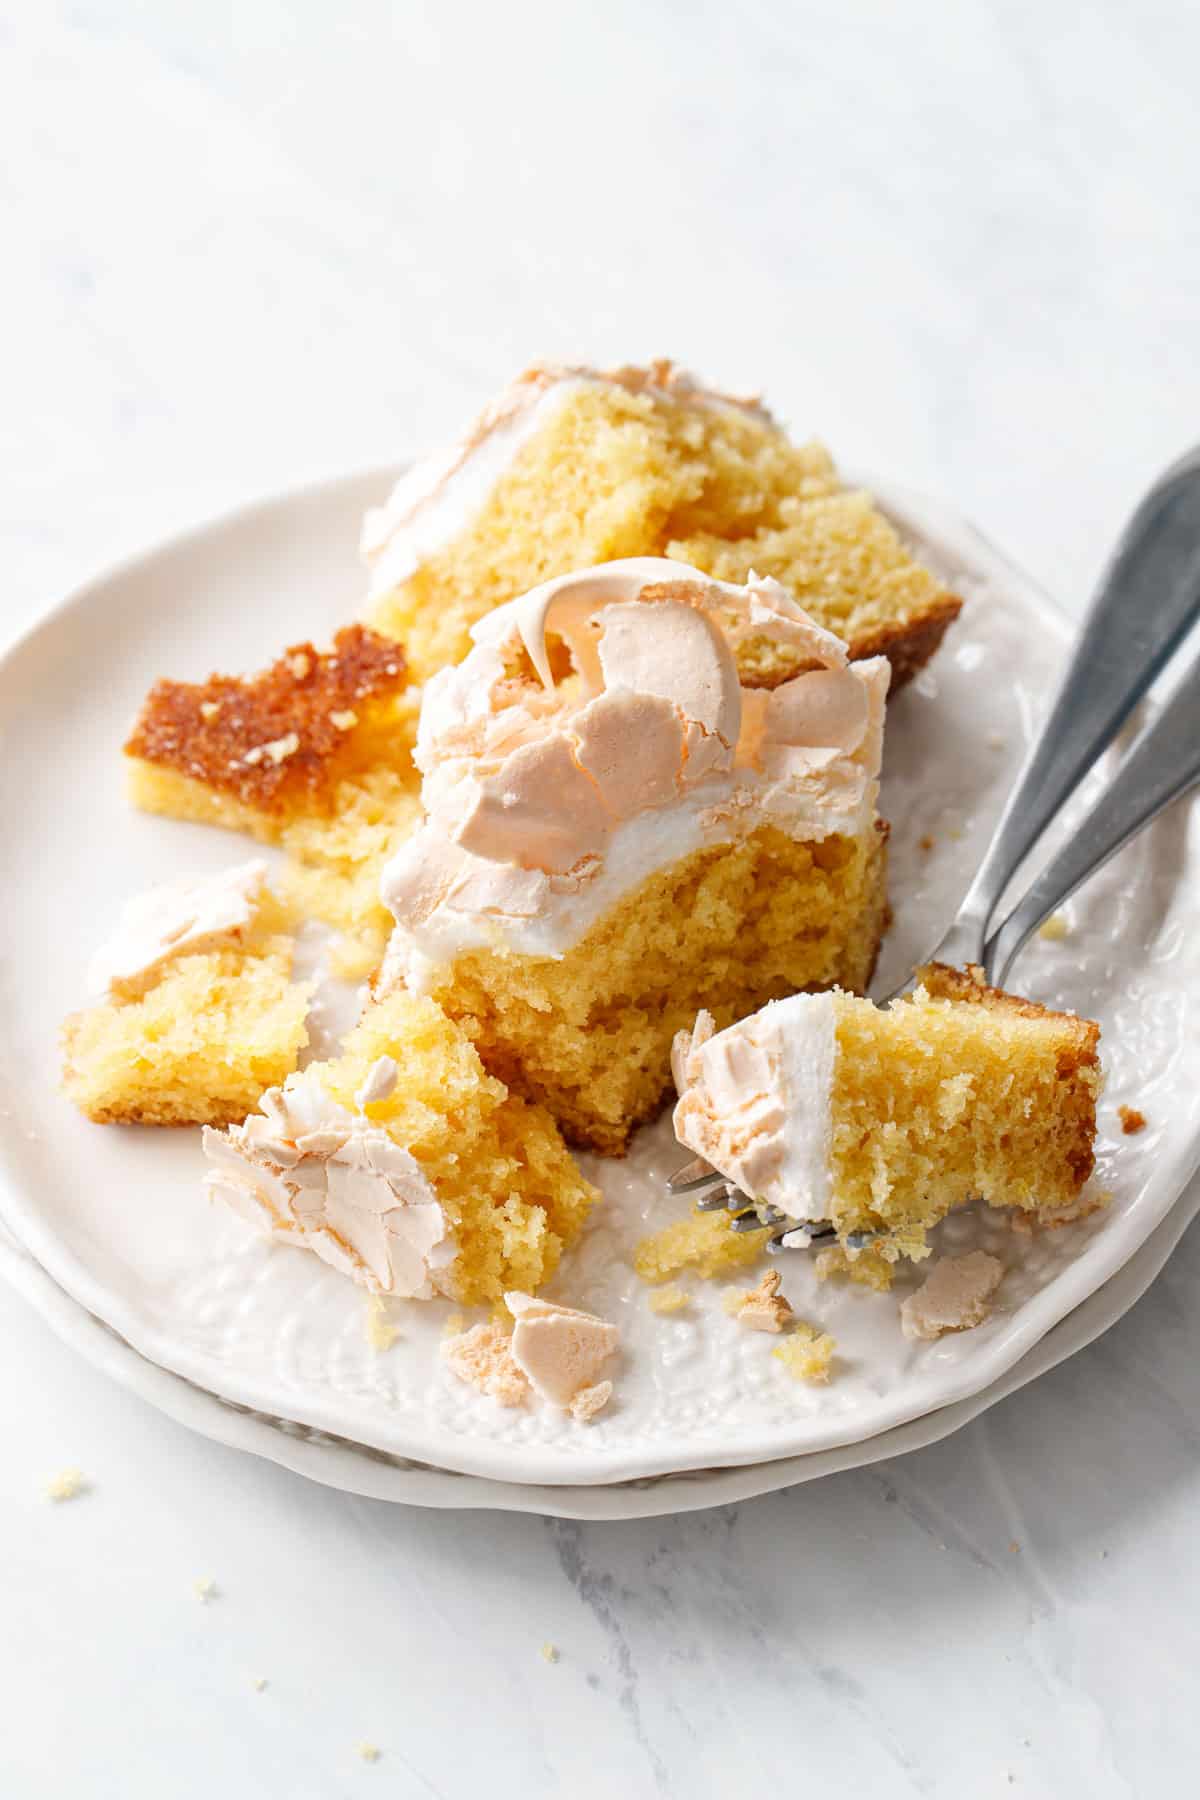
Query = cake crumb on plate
x=205 y=1589
x=68 y=1484
x=380 y=1334
x=550 y=1653
x=806 y=1354
x=669 y=1299
x=1132 y=1121
x=1054 y=929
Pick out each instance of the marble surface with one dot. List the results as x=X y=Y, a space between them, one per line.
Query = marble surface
x=251 y=246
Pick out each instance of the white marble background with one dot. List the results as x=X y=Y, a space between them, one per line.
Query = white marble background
x=249 y=245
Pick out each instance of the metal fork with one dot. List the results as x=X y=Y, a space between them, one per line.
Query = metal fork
x=1147 y=602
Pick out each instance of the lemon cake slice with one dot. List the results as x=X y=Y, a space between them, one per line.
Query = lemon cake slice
x=405 y=1166
x=314 y=753
x=198 y=1011
x=828 y=1108
x=619 y=831
x=571 y=466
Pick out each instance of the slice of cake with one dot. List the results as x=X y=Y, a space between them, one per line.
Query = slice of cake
x=199 y=1012
x=573 y=466
x=619 y=831
x=314 y=753
x=404 y=1165
x=828 y=1108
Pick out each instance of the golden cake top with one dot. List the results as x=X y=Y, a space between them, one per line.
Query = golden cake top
x=274 y=739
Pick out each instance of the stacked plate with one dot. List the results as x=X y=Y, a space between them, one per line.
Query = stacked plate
x=266 y=1348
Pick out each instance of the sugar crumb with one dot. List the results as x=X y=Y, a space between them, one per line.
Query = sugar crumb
x=764 y=1308
x=68 y=1484
x=1054 y=929
x=668 y=1299
x=380 y=1334
x=1132 y=1121
x=280 y=748
x=344 y=721
x=209 y=709
x=589 y=1401
x=300 y=665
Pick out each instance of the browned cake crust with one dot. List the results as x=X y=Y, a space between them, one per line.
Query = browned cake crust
x=908 y=647
x=279 y=739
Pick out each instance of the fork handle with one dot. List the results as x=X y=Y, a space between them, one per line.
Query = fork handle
x=1163 y=765
x=1147 y=601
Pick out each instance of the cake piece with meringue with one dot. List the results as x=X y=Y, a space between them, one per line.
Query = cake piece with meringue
x=571 y=465
x=619 y=830
x=405 y=1166
x=196 y=1011
x=826 y=1108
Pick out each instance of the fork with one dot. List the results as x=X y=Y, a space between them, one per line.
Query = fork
x=1146 y=603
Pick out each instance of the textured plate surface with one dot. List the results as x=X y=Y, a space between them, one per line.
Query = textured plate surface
x=117 y=1217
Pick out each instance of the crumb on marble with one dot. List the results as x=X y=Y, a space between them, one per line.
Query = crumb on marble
x=764 y=1308
x=68 y=1484
x=369 y=1752
x=483 y=1358
x=205 y=1589
x=259 y=1683
x=1054 y=929
x=1132 y=1121
x=669 y=1299
x=927 y=842
x=591 y=1400
x=1013 y=1547
x=380 y=1334
x=550 y=1653
x=806 y=1353
x=866 y=1268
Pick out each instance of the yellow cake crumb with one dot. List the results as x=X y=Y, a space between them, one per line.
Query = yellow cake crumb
x=806 y=1353
x=369 y=1752
x=259 y=1683
x=380 y=1334
x=764 y=1308
x=669 y=1299
x=701 y=1242
x=68 y=1484
x=866 y=1268
x=456 y=1323
x=1132 y=1121
x=550 y=1653
x=205 y=1589
x=1054 y=929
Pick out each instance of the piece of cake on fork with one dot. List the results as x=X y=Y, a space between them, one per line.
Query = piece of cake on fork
x=571 y=466
x=881 y=1121
x=196 y=1012
x=621 y=831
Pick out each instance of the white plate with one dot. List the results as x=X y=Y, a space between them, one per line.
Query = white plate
x=117 y=1218
x=356 y=1470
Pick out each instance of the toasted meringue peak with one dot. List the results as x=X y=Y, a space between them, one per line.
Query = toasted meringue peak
x=547 y=801
x=311 y=1172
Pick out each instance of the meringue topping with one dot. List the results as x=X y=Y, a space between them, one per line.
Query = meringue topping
x=755 y=1100
x=547 y=801
x=311 y=1172
x=181 y=918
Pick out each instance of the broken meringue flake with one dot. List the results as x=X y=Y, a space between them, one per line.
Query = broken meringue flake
x=764 y=1308
x=559 y=1350
x=483 y=1358
x=954 y=1296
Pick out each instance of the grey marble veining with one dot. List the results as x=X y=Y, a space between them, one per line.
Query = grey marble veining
x=251 y=246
